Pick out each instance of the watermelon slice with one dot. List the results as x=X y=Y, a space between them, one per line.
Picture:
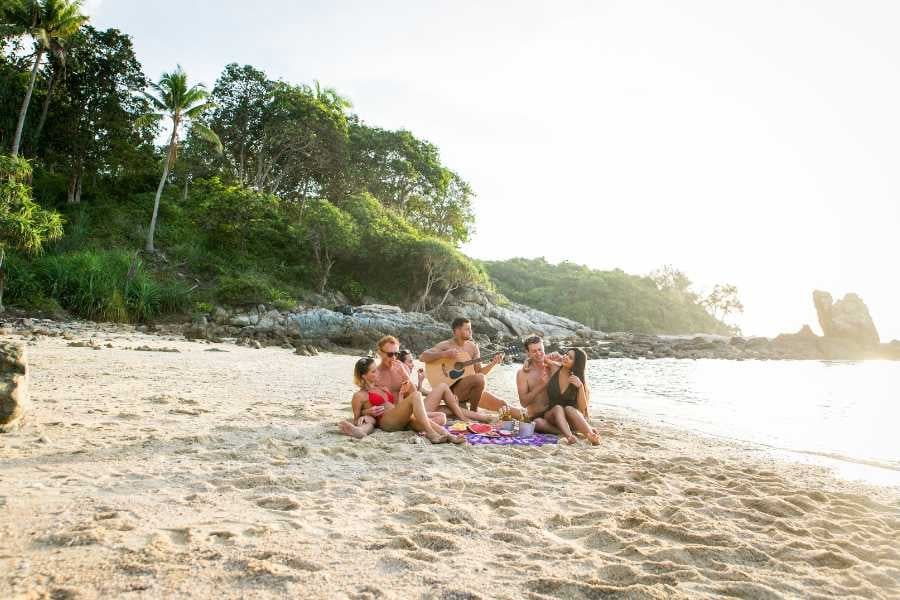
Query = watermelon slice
x=480 y=428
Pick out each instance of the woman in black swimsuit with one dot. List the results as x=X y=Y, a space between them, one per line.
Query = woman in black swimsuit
x=569 y=397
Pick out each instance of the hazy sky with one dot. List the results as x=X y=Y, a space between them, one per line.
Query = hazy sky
x=753 y=143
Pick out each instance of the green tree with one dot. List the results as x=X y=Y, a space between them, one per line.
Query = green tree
x=444 y=269
x=24 y=225
x=723 y=300
x=406 y=174
x=331 y=233
x=50 y=23
x=91 y=130
x=182 y=104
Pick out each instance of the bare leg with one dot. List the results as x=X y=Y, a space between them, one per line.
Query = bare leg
x=442 y=393
x=557 y=416
x=438 y=418
x=469 y=389
x=581 y=425
x=491 y=402
x=544 y=426
x=364 y=426
x=410 y=410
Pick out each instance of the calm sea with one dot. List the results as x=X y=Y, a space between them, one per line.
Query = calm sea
x=845 y=415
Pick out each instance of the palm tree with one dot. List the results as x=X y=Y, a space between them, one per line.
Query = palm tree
x=49 y=22
x=175 y=100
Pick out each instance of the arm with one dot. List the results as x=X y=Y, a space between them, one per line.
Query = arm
x=357 y=404
x=527 y=396
x=583 y=400
x=437 y=353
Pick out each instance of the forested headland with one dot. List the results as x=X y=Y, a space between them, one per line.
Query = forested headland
x=126 y=198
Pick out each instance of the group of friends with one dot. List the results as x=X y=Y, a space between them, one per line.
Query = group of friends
x=551 y=387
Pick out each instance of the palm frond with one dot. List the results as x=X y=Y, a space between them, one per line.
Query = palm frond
x=207 y=134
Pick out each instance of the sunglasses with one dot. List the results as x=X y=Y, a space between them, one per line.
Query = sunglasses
x=391 y=354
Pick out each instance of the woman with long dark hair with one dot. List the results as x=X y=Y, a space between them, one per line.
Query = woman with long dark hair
x=568 y=393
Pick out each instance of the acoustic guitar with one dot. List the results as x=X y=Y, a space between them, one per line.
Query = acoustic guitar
x=451 y=370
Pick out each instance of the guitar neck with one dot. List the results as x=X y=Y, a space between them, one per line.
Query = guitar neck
x=474 y=361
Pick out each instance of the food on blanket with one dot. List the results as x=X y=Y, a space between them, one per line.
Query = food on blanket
x=481 y=428
x=457 y=427
x=505 y=432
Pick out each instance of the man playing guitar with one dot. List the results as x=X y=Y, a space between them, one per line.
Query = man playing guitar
x=469 y=389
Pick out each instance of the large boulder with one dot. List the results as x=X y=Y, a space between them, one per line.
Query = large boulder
x=13 y=385
x=847 y=319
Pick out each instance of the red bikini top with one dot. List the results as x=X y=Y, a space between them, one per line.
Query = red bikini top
x=378 y=400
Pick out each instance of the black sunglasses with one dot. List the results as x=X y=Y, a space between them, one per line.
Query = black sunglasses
x=393 y=354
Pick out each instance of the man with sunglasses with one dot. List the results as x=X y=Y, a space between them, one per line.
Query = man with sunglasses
x=392 y=374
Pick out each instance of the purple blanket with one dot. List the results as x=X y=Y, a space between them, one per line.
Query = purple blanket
x=538 y=439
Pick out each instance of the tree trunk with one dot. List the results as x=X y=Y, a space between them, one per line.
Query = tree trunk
x=184 y=192
x=44 y=109
x=78 y=188
x=2 y=277
x=70 y=195
x=24 y=110
x=159 y=190
x=450 y=289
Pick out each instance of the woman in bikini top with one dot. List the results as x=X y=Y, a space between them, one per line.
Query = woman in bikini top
x=377 y=399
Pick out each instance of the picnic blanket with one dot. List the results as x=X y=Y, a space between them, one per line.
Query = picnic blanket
x=537 y=439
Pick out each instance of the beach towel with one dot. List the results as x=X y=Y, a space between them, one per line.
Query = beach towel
x=537 y=439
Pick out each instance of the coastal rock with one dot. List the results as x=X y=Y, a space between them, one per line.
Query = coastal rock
x=846 y=319
x=14 y=402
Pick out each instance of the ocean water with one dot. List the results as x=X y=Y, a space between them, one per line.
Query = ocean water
x=842 y=414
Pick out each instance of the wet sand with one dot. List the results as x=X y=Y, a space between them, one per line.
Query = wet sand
x=217 y=472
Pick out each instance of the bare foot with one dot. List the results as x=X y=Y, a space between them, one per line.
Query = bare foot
x=457 y=439
x=571 y=439
x=594 y=438
x=348 y=428
x=437 y=438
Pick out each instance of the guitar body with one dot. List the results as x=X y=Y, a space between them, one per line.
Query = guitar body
x=449 y=370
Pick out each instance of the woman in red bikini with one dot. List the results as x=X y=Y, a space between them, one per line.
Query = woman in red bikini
x=409 y=410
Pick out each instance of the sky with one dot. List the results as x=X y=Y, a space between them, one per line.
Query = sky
x=751 y=143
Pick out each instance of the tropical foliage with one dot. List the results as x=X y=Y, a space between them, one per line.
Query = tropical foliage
x=264 y=191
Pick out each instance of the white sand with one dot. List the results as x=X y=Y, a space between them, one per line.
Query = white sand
x=206 y=474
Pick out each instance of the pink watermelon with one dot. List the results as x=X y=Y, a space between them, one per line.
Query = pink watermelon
x=481 y=428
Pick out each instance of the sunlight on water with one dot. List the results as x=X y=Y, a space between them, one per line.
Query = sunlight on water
x=846 y=411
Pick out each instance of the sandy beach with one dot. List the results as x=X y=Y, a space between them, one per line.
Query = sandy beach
x=217 y=472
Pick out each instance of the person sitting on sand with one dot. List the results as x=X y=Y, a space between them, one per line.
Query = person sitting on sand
x=469 y=389
x=387 y=396
x=568 y=395
x=433 y=401
x=531 y=383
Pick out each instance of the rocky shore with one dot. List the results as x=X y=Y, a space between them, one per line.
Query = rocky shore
x=850 y=333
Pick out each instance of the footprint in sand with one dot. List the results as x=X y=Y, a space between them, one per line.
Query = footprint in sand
x=282 y=503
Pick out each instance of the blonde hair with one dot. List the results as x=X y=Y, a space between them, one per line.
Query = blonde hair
x=360 y=369
x=388 y=339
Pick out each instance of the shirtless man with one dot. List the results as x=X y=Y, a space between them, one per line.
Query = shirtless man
x=469 y=389
x=532 y=380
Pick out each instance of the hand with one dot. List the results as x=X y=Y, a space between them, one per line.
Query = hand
x=574 y=380
x=498 y=358
x=374 y=411
x=406 y=387
x=554 y=356
x=449 y=354
x=421 y=374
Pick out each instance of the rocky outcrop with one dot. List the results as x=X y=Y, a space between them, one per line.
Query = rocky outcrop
x=14 y=402
x=847 y=320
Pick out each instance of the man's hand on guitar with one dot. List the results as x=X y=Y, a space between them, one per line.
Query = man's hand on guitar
x=449 y=354
x=498 y=358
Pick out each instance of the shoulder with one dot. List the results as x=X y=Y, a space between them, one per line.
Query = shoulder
x=472 y=348
x=361 y=395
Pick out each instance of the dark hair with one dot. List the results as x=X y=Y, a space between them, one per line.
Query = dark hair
x=403 y=354
x=532 y=339
x=360 y=369
x=458 y=322
x=579 y=363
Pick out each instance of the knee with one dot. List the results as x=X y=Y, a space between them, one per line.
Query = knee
x=556 y=410
x=478 y=380
x=439 y=418
x=571 y=411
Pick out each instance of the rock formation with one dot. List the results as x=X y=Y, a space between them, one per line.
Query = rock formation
x=846 y=320
x=13 y=385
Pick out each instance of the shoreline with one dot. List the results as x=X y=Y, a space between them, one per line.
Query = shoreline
x=216 y=471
